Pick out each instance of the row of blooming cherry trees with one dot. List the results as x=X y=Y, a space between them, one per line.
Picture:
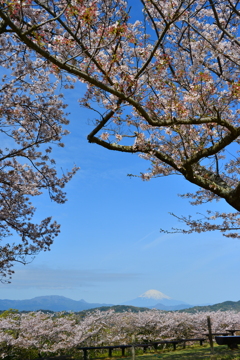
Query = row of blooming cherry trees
x=38 y=333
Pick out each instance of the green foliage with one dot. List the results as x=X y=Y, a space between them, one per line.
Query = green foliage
x=6 y=313
x=20 y=354
x=224 y=306
x=116 y=308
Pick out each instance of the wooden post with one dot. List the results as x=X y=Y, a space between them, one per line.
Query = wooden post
x=210 y=333
x=133 y=347
x=84 y=354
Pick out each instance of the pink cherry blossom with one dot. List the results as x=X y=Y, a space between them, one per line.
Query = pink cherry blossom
x=168 y=83
x=57 y=334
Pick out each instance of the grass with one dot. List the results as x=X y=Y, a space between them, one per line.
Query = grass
x=191 y=353
x=195 y=352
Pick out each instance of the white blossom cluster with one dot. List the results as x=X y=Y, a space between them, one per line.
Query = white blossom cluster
x=32 y=121
x=62 y=333
x=166 y=87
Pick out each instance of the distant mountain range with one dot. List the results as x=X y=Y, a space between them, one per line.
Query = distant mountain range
x=53 y=303
x=149 y=300
x=224 y=306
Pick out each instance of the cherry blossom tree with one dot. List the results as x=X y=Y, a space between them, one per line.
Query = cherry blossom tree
x=39 y=334
x=165 y=87
x=45 y=334
x=31 y=115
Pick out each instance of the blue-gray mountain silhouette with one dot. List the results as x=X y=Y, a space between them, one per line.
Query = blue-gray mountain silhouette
x=52 y=302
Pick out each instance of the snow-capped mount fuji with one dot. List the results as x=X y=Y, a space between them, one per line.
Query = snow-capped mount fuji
x=156 y=299
x=154 y=294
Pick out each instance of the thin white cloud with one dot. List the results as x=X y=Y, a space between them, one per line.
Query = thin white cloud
x=146 y=236
x=60 y=279
x=158 y=240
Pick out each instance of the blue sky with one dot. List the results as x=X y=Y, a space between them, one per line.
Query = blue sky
x=110 y=248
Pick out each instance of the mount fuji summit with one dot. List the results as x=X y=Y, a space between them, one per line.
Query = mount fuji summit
x=154 y=299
